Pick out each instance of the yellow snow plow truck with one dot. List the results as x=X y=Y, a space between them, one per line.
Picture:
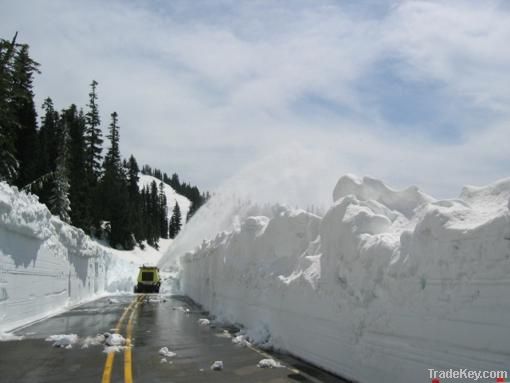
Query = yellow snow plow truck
x=148 y=280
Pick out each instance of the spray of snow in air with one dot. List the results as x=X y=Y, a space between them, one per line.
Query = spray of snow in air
x=294 y=176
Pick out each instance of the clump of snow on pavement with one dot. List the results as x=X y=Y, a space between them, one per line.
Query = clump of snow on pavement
x=269 y=363
x=204 y=322
x=111 y=342
x=109 y=349
x=6 y=337
x=166 y=352
x=217 y=365
x=97 y=340
x=63 y=340
x=241 y=340
x=114 y=339
x=384 y=276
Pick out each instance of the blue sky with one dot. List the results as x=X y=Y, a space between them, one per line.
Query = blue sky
x=412 y=92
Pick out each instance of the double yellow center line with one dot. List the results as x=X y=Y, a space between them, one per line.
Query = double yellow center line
x=110 y=358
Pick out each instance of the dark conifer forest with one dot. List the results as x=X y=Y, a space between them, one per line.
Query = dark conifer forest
x=74 y=169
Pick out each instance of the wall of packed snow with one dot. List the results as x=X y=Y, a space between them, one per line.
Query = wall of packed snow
x=45 y=264
x=385 y=286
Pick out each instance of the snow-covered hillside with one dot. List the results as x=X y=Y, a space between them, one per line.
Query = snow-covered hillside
x=385 y=286
x=171 y=196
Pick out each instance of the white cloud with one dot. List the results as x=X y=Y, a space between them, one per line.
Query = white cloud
x=205 y=90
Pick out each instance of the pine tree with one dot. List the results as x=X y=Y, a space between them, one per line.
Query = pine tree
x=80 y=194
x=93 y=137
x=175 y=221
x=174 y=182
x=23 y=109
x=59 y=198
x=163 y=212
x=114 y=190
x=112 y=158
x=8 y=162
x=155 y=212
x=135 y=200
x=48 y=137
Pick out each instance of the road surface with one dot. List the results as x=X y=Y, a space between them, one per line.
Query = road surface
x=148 y=322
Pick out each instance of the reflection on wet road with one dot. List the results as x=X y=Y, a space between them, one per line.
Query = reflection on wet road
x=148 y=323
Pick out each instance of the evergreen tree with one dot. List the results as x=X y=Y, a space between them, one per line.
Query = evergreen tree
x=59 y=199
x=8 y=162
x=163 y=212
x=175 y=221
x=48 y=137
x=93 y=136
x=174 y=182
x=135 y=200
x=112 y=158
x=23 y=109
x=155 y=213
x=80 y=191
x=114 y=190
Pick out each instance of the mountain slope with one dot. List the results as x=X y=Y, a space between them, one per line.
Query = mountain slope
x=171 y=196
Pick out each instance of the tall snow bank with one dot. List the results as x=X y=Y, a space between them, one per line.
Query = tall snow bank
x=385 y=286
x=46 y=264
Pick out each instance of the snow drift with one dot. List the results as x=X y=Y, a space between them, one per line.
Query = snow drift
x=46 y=264
x=385 y=286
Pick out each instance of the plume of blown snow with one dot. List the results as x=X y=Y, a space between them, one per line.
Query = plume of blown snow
x=294 y=176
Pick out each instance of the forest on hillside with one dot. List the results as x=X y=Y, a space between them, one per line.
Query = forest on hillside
x=63 y=160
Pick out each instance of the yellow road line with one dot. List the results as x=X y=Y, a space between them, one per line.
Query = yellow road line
x=128 y=370
x=108 y=366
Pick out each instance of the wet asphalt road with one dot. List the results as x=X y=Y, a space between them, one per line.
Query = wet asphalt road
x=156 y=322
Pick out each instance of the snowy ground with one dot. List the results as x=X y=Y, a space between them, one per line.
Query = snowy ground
x=385 y=286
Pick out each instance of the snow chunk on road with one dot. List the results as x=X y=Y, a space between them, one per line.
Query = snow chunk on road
x=217 y=366
x=109 y=349
x=5 y=337
x=204 y=322
x=114 y=343
x=241 y=340
x=114 y=339
x=166 y=352
x=63 y=340
x=93 y=341
x=269 y=363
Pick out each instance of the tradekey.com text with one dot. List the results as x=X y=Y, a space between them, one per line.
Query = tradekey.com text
x=467 y=375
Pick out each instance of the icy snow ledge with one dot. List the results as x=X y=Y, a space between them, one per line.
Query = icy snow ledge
x=46 y=265
x=366 y=188
x=385 y=286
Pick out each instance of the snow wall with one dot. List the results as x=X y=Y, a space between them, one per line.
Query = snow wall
x=385 y=286
x=47 y=265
